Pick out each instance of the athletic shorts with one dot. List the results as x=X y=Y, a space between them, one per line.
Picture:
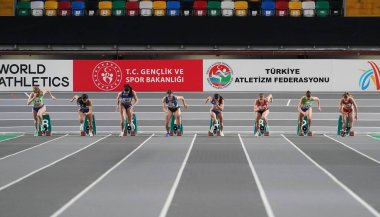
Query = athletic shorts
x=261 y=112
x=36 y=109
x=173 y=109
x=126 y=106
x=216 y=112
x=83 y=110
x=304 y=109
x=348 y=111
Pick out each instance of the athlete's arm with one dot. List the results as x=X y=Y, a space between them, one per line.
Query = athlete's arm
x=135 y=98
x=31 y=97
x=118 y=101
x=183 y=101
x=89 y=107
x=208 y=99
x=255 y=109
x=75 y=97
x=356 y=108
x=318 y=101
x=48 y=91
x=164 y=109
x=221 y=106
x=269 y=98
x=299 y=106
x=341 y=106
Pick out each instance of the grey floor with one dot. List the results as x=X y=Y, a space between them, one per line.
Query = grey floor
x=193 y=175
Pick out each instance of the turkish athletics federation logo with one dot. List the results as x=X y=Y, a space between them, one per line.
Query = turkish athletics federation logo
x=107 y=75
x=219 y=75
x=370 y=74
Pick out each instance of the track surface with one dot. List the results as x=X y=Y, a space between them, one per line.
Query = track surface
x=194 y=175
x=15 y=116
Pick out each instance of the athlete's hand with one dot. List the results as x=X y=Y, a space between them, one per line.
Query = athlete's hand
x=186 y=106
x=356 y=117
x=117 y=108
x=53 y=98
x=304 y=113
x=319 y=108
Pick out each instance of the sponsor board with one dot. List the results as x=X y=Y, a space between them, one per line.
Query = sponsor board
x=22 y=75
x=291 y=75
x=142 y=75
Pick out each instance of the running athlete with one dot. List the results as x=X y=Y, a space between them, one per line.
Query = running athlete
x=171 y=107
x=85 y=110
x=305 y=108
x=125 y=102
x=262 y=110
x=216 y=111
x=39 y=108
x=348 y=107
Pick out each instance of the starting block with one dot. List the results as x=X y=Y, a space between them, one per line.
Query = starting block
x=305 y=128
x=128 y=128
x=215 y=128
x=86 y=128
x=347 y=131
x=263 y=130
x=174 y=130
x=45 y=127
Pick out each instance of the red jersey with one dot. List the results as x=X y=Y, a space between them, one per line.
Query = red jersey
x=263 y=105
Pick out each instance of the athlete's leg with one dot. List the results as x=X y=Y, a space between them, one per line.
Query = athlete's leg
x=89 y=117
x=35 y=119
x=258 y=118
x=129 y=115
x=300 y=121
x=309 y=114
x=81 y=119
x=177 y=115
x=213 y=117
x=168 y=116
x=351 y=118
x=344 y=120
x=265 y=116
x=40 y=113
x=122 y=117
x=220 y=118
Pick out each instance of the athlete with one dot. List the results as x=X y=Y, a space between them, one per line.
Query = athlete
x=171 y=107
x=216 y=111
x=305 y=109
x=39 y=108
x=262 y=110
x=126 y=100
x=85 y=110
x=348 y=108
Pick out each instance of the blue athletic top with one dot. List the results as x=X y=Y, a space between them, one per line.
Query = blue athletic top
x=213 y=107
x=173 y=103
x=126 y=99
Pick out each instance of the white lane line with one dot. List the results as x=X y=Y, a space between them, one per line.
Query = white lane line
x=3 y=140
x=30 y=148
x=170 y=197
x=263 y=195
x=373 y=136
x=42 y=168
x=336 y=180
x=288 y=102
x=357 y=151
x=84 y=191
x=26 y=95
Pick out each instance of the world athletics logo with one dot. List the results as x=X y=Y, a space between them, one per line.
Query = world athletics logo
x=370 y=74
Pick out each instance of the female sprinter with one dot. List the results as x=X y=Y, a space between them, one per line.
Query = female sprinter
x=348 y=107
x=39 y=108
x=262 y=110
x=216 y=111
x=85 y=110
x=125 y=102
x=171 y=107
x=305 y=109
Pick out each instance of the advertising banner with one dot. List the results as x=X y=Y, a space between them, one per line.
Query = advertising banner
x=142 y=75
x=22 y=75
x=291 y=75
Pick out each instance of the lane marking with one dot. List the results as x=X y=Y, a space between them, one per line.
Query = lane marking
x=30 y=148
x=353 y=149
x=373 y=136
x=263 y=195
x=3 y=140
x=51 y=164
x=336 y=180
x=288 y=102
x=84 y=191
x=191 y=119
x=170 y=197
x=206 y=112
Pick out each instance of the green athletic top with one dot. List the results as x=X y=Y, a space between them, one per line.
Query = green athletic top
x=306 y=103
x=38 y=101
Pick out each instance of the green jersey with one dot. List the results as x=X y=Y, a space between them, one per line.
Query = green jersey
x=38 y=101
x=306 y=103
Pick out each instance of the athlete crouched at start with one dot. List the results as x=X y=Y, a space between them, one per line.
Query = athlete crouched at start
x=305 y=109
x=348 y=108
x=126 y=100
x=171 y=108
x=85 y=110
x=262 y=109
x=216 y=111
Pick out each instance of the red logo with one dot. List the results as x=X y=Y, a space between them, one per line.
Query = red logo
x=220 y=75
x=107 y=75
